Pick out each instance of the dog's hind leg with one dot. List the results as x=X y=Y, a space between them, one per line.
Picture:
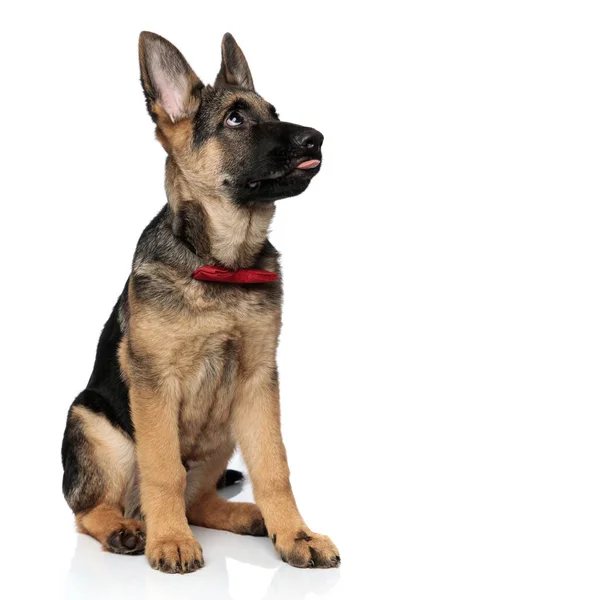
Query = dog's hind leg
x=206 y=508
x=212 y=511
x=99 y=473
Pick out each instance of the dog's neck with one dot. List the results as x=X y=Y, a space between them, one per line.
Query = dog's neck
x=214 y=227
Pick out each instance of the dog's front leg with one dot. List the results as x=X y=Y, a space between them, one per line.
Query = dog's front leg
x=256 y=423
x=170 y=544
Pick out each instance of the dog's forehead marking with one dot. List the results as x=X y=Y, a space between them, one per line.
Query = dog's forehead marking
x=219 y=100
x=257 y=103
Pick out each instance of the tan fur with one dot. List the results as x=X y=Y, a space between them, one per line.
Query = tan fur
x=163 y=477
x=236 y=233
x=215 y=512
x=105 y=521
x=114 y=454
x=202 y=476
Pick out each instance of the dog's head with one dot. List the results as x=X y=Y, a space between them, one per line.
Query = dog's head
x=225 y=138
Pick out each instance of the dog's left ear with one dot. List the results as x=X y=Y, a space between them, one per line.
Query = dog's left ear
x=235 y=71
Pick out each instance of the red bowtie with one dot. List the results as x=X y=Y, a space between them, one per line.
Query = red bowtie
x=209 y=273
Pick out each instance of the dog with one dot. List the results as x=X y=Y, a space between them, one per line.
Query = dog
x=185 y=368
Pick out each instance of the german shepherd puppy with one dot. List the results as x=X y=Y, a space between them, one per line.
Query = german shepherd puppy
x=185 y=368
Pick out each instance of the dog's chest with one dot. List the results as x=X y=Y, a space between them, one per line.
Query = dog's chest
x=208 y=396
x=226 y=342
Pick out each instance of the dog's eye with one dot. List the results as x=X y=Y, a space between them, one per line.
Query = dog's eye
x=234 y=119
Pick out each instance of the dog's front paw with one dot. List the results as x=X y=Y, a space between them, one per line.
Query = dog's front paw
x=306 y=549
x=175 y=555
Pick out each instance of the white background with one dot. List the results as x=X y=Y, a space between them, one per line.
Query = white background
x=439 y=357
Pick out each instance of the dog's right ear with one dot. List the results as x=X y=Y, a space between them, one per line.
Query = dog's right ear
x=234 y=66
x=170 y=86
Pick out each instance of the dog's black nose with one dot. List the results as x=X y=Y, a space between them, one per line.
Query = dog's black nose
x=311 y=139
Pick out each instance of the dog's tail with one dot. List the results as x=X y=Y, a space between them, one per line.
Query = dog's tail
x=229 y=477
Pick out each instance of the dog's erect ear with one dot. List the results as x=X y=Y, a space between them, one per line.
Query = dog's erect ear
x=234 y=67
x=170 y=85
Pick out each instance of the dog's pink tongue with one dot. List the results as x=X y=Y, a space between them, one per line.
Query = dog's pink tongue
x=309 y=164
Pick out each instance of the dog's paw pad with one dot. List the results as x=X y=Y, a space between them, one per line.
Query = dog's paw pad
x=130 y=538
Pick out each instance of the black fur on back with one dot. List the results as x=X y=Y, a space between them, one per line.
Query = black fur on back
x=106 y=392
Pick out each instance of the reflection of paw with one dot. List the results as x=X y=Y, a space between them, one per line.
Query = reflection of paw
x=175 y=555
x=130 y=538
x=307 y=550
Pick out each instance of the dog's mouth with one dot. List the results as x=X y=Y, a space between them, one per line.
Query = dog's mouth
x=305 y=168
